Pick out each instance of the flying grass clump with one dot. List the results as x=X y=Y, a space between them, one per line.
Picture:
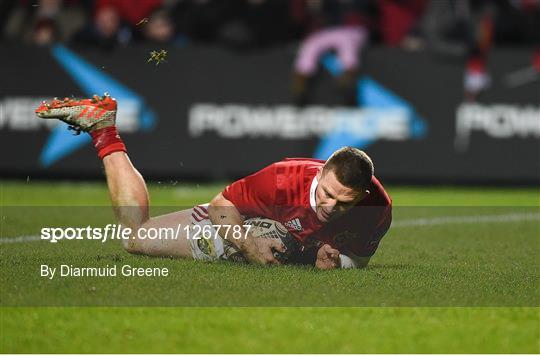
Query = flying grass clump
x=157 y=56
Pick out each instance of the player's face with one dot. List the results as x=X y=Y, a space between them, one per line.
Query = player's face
x=333 y=198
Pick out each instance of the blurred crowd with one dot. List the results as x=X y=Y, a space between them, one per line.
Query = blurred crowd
x=468 y=28
x=255 y=23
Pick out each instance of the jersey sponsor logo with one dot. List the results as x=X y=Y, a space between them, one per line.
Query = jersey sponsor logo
x=344 y=237
x=294 y=224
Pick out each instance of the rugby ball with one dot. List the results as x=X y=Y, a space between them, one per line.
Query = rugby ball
x=266 y=228
x=271 y=229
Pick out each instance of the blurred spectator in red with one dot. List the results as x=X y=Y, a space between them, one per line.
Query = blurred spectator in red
x=114 y=22
x=398 y=20
x=131 y=12
x=106 y=31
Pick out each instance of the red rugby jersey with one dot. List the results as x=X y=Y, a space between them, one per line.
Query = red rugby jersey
x=285 y=192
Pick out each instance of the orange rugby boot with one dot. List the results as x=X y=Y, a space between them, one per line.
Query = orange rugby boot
x=81 y=114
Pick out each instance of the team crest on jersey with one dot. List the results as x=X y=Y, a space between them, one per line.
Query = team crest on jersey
x=294 y=224
x=344 y=237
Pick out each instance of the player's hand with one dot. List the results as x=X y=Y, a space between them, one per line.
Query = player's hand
x=327 y=257
x=261 y=250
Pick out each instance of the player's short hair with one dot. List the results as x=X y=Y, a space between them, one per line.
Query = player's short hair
x=353 y=168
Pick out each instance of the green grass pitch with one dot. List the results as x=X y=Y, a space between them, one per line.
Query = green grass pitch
x=450 y=277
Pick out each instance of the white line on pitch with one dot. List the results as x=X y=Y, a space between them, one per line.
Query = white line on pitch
x=448 y=220
x=441 y=220
x=12 y=240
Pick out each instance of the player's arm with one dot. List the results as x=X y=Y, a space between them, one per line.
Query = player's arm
x=223 y=212
x=254 y=195
x=358 y=257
